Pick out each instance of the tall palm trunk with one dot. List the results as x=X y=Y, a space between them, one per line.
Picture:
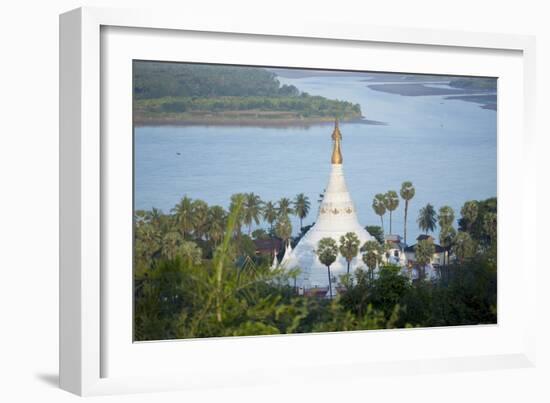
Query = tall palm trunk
x=382 y=222
x=348 y=266
x=406 y=212
x=329 y=282
x=390 y=222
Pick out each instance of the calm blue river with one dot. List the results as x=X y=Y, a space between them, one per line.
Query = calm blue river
x=447 y=148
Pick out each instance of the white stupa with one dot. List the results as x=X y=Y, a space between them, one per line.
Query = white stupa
x=275 y=263
x=286 y=257
x=337 y=216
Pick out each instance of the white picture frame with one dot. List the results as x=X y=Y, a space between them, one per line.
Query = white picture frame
x=85 y=344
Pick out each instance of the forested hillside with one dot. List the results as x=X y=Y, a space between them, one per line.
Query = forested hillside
x=157 y=80
x=183 y=92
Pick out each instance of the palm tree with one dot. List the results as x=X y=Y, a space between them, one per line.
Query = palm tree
x=170 y=244
x=259 y=233
x=379 y=207
x=447 y=233
x=237 y=206
x=283 y=229
x=372 y=255
x=155 y=218
x=426 y=218
x=190 y=253
x=423 y=252
x=252 y=210
x=349 y=247
x=464 y=247
x=148 y=241
x=446 y=217
x=327 y=251
x=283 y=208
x=490 y=226
x=469 y=213
x=301 y=207
x=217 y=217
x=446 y=239
x=391 y=202
x=200 y=218
x=407 y=193
x=224 y=250
x=270 y=214
x=184 y=215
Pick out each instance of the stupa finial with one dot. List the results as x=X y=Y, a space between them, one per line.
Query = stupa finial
x=336 y=138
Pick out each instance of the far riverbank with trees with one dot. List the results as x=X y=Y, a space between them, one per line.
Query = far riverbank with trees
x=184 y=93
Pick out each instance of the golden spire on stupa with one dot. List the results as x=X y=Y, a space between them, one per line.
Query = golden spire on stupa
x=336 y=138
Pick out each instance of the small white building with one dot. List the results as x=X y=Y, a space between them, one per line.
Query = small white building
x=395 y=252
x=438 y=258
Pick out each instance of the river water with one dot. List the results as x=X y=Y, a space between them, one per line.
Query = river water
x=447 y=148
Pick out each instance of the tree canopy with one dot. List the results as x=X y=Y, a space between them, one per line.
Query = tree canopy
x=187 y=91
x=427 y=218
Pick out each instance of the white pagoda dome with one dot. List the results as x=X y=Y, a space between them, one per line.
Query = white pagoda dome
x=337 y=216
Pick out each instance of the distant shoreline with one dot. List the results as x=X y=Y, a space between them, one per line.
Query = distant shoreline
x=488 y=101
x=415 y=90
x=485 y=98
x=301 y=123
x=420 y=89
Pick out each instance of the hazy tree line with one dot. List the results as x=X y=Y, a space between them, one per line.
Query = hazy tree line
x=477 y=83
x=303 y=105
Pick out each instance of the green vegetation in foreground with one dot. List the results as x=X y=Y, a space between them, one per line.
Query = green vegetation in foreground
x=181 y=92
x=196 y=273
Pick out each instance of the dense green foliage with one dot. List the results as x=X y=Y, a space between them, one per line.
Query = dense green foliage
x=251 y=106
x=372 y=255
x=465 y=295
x=183 y=91
x=376 y=231
x=475 y=224
x=196 y=274
x=160 y=79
